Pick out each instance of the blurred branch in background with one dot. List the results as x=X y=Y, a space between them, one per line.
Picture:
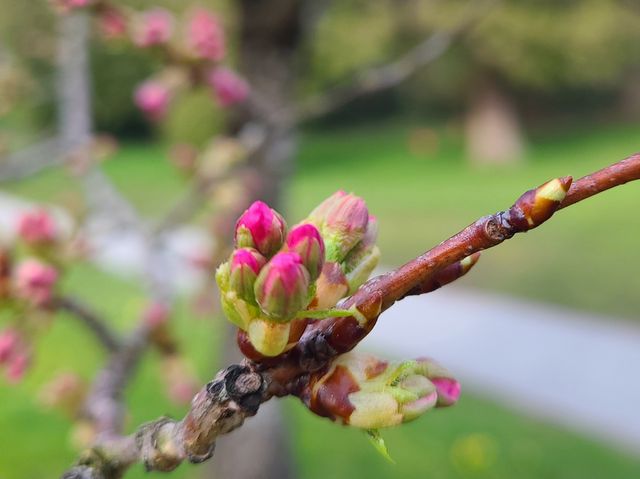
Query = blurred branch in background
x=376 y=79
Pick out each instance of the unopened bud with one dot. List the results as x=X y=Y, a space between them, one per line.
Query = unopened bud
x=35 y=281
x=205 y=36
x=245 y=264
x=331 y=286
x=282 y=287
x=343 y=220
x=268 y=337
x=37 y=227
x=538 y=205
x=261 y=228
x=447 y=386
x=153 y=98
x=153 y=27
x=363 y=391
x=66 y=391
x=307 y=242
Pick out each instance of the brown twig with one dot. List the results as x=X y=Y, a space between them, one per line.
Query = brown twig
x=91 y=319
x=237 y=391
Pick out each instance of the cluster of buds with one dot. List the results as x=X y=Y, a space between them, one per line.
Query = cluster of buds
x=277 y=281
x=28 y=281
x=363 y=391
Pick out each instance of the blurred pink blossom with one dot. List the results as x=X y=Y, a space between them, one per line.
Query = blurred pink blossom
x=228 y=86
x=112 y=23
x=36 y=227
x=9 y=343
x=152 y=97
x=153 y=27
x=205 y=35
x=35 y=281
x=155 y=314
x=14 y=354
x=17 y=366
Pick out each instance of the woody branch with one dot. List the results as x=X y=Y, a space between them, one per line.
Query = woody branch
x=237 y=391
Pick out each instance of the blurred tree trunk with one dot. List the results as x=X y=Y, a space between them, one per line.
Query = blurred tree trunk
x=493 y=133
x=270 y=36
x=74 y=81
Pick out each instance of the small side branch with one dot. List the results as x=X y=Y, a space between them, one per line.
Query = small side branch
x=91 y=319
x=387 y=76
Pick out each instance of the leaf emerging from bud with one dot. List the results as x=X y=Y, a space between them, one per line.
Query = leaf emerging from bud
x=366 y=392
x=282 y=287
x=261 y=228
x=538 y=205
x=245 y=264
x=306 y=240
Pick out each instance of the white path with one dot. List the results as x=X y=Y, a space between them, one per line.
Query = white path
x=577 y=370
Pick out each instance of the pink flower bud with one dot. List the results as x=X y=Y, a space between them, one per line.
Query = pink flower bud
x=205 y=35
x=245 y=265
x=17 y=366
x=261 y=228
x=307 y=242
x=152 y=97
x=448 y=391
x=36 y=227
x=282 y=287
x=228 y=86
x=156 y=314
x=9 y=344
x=363 y=391
x=112 y=23
x=343 y=219
x=447 y=387
x=35 y=282
x=153 y=27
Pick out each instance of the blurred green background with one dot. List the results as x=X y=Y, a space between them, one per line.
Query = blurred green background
x=565 y=79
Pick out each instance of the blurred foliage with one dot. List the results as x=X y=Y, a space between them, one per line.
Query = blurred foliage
x=194 y=119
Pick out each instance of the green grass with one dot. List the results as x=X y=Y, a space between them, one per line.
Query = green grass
x=583 y=258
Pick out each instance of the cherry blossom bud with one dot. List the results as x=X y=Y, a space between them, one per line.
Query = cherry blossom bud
x=17 y=366
x=153 y=27
x=37 y=227
x=261 y=228
x=363 y=391
x=306 y=240
x=282 y=287
x=112 y=23
x=152 y=97
x=245 y=265
x=35 y=281
x=447 y=386
x=66 y=391
x=268 y=337
x=9 y=344
x=229 y=87
x=205 y=36
x=156 y=314
x=363 y=258
x=343 y=220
